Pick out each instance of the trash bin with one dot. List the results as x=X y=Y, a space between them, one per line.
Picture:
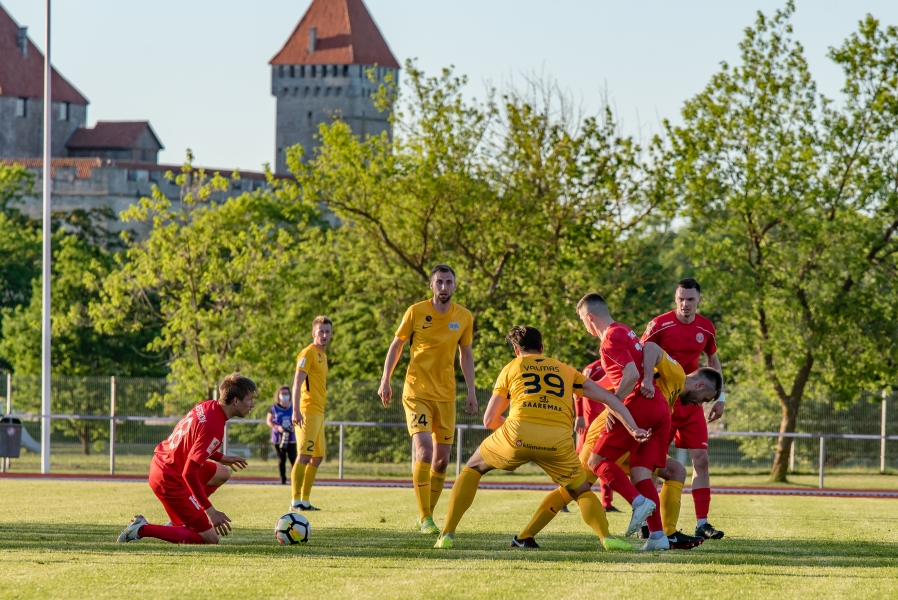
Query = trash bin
x=10 y=437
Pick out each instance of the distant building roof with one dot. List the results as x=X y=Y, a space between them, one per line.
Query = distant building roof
x=111 y=135
x=345 y=33
x=22 y=73
x=85 y=166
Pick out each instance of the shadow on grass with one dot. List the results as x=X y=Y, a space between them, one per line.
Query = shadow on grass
x=392 y=544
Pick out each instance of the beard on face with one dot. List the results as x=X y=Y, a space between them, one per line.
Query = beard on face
x=690 y=397
x=444 y=297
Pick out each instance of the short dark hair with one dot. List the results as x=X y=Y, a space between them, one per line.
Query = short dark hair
x=593 y=303
x=235 y=387
x=525 y=338
x=713 y=378
x=441 y=268
x=689 y=284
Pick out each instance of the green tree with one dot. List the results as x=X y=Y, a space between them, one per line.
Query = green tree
x=792 y=211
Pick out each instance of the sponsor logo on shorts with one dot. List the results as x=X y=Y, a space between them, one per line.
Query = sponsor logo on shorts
x=519 y=443
x=195 y=503
x=454 y=326
x=699 y=337
x=200 y=414
x=213 y=445
x=543 y=448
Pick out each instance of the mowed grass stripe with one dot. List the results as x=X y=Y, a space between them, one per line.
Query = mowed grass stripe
x=57 y=540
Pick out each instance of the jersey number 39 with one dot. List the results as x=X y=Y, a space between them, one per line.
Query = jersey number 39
x=550 y=382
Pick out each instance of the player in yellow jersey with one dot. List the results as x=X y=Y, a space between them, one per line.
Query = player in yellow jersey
x=309 y=398
x=434 y=329
x=538 y=390
x=701 y=386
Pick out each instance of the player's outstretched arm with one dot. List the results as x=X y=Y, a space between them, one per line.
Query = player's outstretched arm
x=298 y=379
x=466 y=358
x=386 y=391
x=593 y=391
x=651 y=356
x=492 y=417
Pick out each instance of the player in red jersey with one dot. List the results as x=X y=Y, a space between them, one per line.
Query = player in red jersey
x=685 y=336
x=188 y=467
x=588 y=411
x=623 y=363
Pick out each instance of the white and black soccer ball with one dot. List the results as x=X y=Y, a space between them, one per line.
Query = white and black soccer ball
x=292 y=529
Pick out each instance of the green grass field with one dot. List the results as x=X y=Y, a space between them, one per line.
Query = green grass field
x=57 y=540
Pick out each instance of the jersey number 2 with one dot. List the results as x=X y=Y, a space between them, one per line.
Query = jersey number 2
x=554 y=384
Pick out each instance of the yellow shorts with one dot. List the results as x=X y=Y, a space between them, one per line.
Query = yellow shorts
x=592 y=435
x=551 y=447
x=437 y=418
x=310 y=438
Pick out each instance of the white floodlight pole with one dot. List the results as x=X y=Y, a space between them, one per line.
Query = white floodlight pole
x=45 y=288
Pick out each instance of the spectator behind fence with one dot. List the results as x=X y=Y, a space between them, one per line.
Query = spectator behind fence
x=280 y=419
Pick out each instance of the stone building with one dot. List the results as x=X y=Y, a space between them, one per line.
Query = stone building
x=121 y=140
x=22 y=97
x=321 y=74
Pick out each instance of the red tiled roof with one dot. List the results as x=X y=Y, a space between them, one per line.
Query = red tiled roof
x=84 y=167
x=111 y=134
x=22 y=77
x=346 y=34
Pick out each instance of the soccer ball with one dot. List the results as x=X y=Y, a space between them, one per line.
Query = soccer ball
x=292 y=529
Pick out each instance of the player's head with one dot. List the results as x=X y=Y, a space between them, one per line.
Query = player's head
x=283 y=395
x=322 y=331
x=442 y=282
x=237 y=391
x=526 y=340
x=703 y=385
x=687 y=297
x=593 y=312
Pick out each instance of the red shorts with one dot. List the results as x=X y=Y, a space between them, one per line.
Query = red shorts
x=688 y=427
x=175 y=496
x=649 y=413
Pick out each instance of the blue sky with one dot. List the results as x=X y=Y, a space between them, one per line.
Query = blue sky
x=198 y=69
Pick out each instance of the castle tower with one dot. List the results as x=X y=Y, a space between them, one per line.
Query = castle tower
x=321 y=74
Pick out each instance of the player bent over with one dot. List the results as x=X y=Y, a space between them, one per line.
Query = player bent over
x=188 y=467
x=309 y=398
x=538 y=429
x=434 y=329
x=700 y=386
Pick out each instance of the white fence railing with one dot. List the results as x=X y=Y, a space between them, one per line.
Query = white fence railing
x=113 y=419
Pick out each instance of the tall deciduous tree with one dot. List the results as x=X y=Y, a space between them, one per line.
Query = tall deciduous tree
x=792 y=208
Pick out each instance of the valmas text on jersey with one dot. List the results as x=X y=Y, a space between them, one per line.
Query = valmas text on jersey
x=542 y=368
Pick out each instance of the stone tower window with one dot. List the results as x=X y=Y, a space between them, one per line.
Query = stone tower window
x=306 y=91
x=313 y=70
x=21 y=107
x=292 y=72
x=345 y=70
x=310 y=118
x=302 y=70
x=317 y=90
x=337 y=91
x=281 y=71
x=65 y=111
x=335 y=70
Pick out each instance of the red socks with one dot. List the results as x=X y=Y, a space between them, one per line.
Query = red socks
x=701 y=497
x=613 y=476
x=607 y=495
x=646 y=487
x=175 y=535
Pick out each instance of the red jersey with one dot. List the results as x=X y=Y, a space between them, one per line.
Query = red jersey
x=620 y=346
x=683 y=342
x=196 y=438
x=586 y=408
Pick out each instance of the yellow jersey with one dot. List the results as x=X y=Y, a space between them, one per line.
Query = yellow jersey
x=670 y=378
x=540 y=390
x=434 y=339
x=313 y=362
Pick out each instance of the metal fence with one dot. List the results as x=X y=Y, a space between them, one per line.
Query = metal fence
x=113 y=424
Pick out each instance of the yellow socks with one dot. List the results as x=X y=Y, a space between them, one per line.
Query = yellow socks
x=671 y=492
x=463 y=491
x=437 y=480
x=592 y=512
x=547 y=510
x=296 y=478
x=421 y=482
x=308 y=481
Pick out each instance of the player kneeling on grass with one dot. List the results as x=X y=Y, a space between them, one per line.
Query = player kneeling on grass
x=539 y=390
x=188 y=467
